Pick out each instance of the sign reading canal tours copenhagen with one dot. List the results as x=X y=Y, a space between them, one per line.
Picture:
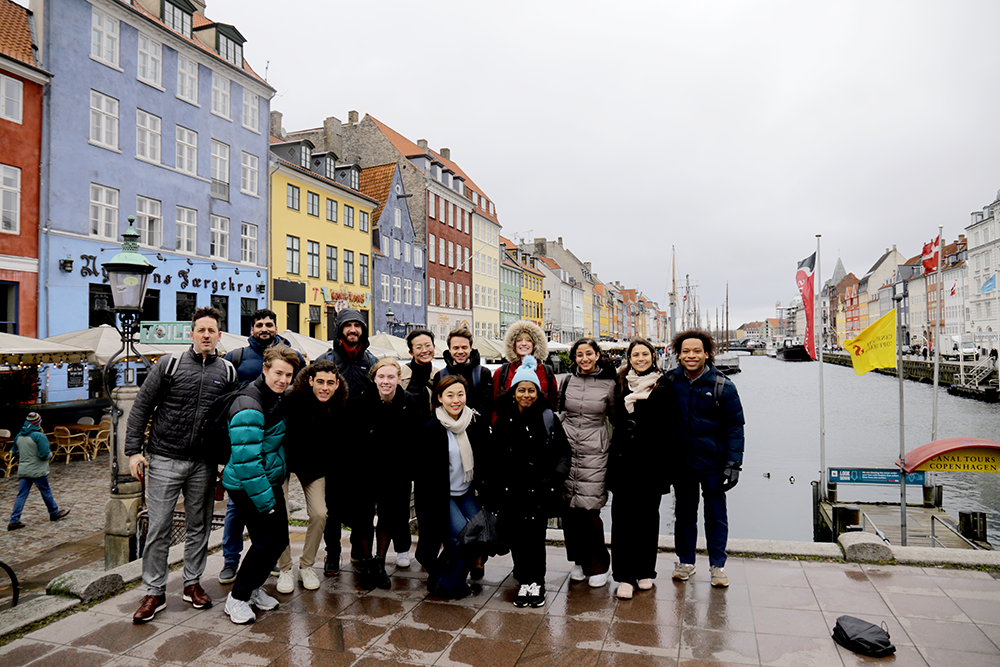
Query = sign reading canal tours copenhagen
x=873 y=476
x=955 y=455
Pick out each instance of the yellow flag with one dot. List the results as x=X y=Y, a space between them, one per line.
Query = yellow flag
x=875 y=347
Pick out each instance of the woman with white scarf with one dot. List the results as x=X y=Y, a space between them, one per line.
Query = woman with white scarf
x=445 y=487
x=639 y=472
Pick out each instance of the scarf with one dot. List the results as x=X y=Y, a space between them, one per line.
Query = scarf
x=458 y=427
x=640 y=386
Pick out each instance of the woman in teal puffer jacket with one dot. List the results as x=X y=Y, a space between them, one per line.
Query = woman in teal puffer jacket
x=253 y=477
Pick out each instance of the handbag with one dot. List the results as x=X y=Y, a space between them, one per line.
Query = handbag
x=481 y=534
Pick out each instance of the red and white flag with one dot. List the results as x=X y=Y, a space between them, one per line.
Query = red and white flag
x=804 y=279
x=930 y=255
x=953 y=288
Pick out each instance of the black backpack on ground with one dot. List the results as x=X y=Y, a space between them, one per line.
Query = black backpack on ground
x=862 y=637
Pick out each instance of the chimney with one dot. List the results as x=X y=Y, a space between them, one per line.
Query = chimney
x=276 y=117
x=352 y=117
x=445 y=153
x=560 y=240
x=423 y=144
x=332 y=141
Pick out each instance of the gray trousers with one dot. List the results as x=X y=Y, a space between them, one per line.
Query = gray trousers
x=165 y=480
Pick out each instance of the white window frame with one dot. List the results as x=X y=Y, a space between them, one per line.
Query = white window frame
x=149 y=65
x=187 y=152
x=418 y=257
x=442 y=251
x=418 y=293
x=187 y=79
x=385 y=288
x=442 y=293
x=251 y=110
x=221 y=104
x=451 y=294
x=385 y=245
x=103 y=120
x=148 y=221
x=148 y=136
x=231 y=51
x=103 y=212
x=10 y=199
x=451 y=255
x=407 y=292
x=187 y=230
x=11 y=99
x=406 y=252
x=176 y=19
x=431 y=294
x=248 y=243
x=104 y=38
x=430 y=249
x=431 y=204
x=397 y=289
x=249 y=172
x=398 y=217
x=218 y=247
x=220 y=162
x=397 y=250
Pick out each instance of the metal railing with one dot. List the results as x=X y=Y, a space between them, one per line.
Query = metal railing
x=865 y=520
x=935 y=542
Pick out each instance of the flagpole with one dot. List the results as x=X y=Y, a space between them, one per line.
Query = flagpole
x=817 y=336
x=937 y=335
x=902 y=433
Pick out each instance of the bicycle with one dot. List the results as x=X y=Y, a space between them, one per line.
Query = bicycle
x=14 y=586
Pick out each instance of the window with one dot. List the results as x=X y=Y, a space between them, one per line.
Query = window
x=251 y=111
x=408 y=291
x=477 y=295
x=406 y=252
x=220 y=170
x=103 y=211
x=187 y=80
x=331 y=262
x=398 y=216
x=248 y=243
x=103 y=38
x=476 y=263
x=418 y=293
x=385 y=288
x=348 y=266
x=430 y=292
x=248 y=174
x=187 y=151
x=220 y=95
x=396 y=249
x=293 y=197
x=363 y=264
x=312 y=259
x=103 y=120
x=10 y=192
x=385 y=244
x=148 y=222
x=292 y=254
x=150 y=61
x=348 y=216
x=11 y=96
x=147 y=136
x=441 y=204
x=187 y=230
x=442 y=257
x=331 y=210
x=430 y=249
x=431 y=205
x=468 y=294
x=443 y=294
x=219 y=244
x=451 y=294
x=230 y=50
x=355 y=179
x=451 y=255
x=305 y=155
x=397 y=289
x=363 y=221
x=330 y=168
x=177 y=19
x=312 y=204
x=418 y=257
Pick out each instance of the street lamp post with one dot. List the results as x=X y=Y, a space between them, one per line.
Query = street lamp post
x=128 y=274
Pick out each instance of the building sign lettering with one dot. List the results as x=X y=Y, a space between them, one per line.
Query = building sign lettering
x=972 y=459
x=90 y=268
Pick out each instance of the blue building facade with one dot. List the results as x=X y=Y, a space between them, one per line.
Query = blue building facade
x=152 y=113
x=399 y=261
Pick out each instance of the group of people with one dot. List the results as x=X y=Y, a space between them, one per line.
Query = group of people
x=360 y=433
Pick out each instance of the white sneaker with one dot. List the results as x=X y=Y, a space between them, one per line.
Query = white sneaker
x=262 y=600
x=238 y=611
x=598 y=580
x=624 y=591
x=308 y=577
x=645 y=584
x=403 y=559
x=576 y=574
x=286 y=583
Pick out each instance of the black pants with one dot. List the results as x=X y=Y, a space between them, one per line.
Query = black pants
x=526 y=537
x=336 y=517
x=391 y=502
x=635 y=530
x=268 y=538
x=583 y=531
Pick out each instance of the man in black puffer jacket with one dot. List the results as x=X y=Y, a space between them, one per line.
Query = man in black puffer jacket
x=350 y=353
x=177 y=393
x=462 y=359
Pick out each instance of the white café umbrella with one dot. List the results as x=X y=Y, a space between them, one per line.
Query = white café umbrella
x=16 y=349
x=105 y=341
x=385 y=341
x=311 y=348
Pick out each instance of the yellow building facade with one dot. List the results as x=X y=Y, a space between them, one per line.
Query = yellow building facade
x=532 y=293
x=321 y=260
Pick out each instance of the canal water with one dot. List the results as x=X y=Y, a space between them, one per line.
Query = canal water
x=781 y=406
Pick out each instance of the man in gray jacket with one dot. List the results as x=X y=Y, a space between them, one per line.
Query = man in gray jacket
x=176 y=395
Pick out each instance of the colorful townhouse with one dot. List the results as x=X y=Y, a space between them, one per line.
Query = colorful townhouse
x=22 y=85
x=486 y=258
x=532 y=290
x=153 y=113
x=511 y=279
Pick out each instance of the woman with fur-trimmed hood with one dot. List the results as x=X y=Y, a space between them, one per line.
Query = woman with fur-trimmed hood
x=523 y=338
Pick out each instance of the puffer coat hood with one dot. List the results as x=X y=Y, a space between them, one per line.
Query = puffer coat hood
x=352 y=315
x=541 y=351
x=584 y=405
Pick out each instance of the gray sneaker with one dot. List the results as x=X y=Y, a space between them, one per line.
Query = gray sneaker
x=719 y=578
x=262 y=600
x=228 y=574
x=238 y=611
x=683 y=571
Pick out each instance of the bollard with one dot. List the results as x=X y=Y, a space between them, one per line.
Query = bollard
x=929 y=493
x=939 y=495
x=844 y=516
x=831 y=492
x=972 y=525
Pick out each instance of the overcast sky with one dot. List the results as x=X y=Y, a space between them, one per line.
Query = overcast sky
x=734 y=131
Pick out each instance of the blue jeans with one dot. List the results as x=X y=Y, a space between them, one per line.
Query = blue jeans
x=453 y=564
x=460 y=510
x=24 y=488
x=716 y=521
x=232 y=535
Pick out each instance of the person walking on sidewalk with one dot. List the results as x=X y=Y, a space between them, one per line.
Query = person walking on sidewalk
x=177 y=402
x=31 y=448
x=253 y=478
x=711 y=421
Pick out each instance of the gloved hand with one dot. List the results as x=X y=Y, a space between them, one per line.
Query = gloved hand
x=730 y=476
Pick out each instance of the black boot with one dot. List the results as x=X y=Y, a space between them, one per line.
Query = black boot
x=379 y=576
x=366 y=574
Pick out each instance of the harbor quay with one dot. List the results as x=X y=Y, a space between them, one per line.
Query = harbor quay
x=940 y=606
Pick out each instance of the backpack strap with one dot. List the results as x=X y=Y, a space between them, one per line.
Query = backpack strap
x=720 y=385
x=237 y=357
x=232 y=377
x=562 y=392
x=550 y=421
x=504 y=373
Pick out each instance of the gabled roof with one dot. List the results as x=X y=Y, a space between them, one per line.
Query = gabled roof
x=322 y=179
x=551 y=263
x=15 y=33
x=376 y=182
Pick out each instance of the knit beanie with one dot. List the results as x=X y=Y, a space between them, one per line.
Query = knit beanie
x=526 y=372
x=34 y=418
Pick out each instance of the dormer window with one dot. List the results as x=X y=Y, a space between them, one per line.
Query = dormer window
x=305 y=156
x=330 y=167
x=230 y=50
x=177 y=16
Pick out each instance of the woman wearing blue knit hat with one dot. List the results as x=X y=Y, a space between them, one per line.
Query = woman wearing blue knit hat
x=529 y=461
x=31 y=448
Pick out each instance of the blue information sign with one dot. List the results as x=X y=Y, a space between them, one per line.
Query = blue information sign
x=873 y=476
